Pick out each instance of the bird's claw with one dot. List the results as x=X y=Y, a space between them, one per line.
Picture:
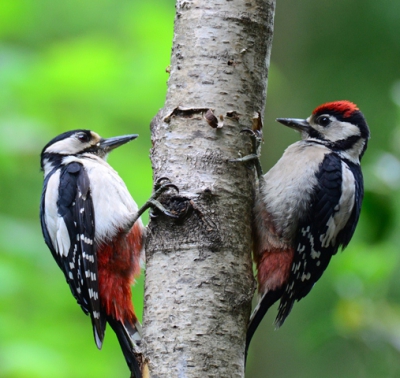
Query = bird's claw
x=253 y=133
x=159 y=188
x=256 y=139
x=156 y=204
x=152 y=202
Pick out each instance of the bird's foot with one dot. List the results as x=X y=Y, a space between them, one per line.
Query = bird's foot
x=161 y=185
x=256 y=140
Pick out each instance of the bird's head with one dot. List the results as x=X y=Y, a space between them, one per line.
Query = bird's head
x=339 y=125
x=77 y=142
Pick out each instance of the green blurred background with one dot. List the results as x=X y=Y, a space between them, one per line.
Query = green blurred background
x=101 y=65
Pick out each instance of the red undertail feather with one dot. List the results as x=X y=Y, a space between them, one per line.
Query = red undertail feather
x=273 y=266
x=273 y=269
x=118 y=265
x=347 y=108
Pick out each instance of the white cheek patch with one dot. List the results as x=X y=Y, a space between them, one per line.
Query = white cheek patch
x=339 y=130
x=67 y=146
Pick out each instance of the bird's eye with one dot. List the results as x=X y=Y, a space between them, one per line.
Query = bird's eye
x=84 y=138
x=323 y=121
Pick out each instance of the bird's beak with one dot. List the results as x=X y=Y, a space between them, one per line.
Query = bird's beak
x=301 y=125
x=109 y=144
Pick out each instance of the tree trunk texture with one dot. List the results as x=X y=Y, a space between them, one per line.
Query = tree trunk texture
x=199 y=278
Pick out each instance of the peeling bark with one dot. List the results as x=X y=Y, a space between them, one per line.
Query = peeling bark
x=199 y=279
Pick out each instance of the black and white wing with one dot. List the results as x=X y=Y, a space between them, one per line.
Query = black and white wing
x=70 y=236
x=325 y=228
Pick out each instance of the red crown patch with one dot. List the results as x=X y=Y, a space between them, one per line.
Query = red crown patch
x=344 y=107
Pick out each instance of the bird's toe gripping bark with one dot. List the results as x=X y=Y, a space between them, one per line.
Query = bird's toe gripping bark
x=256 y=139
x=153 y=203
x=161 y=185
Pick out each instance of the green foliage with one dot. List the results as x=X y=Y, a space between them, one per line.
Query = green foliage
x=101 y=66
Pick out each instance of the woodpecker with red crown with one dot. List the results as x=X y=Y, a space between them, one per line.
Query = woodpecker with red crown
x=308 y=206
x=93 y=229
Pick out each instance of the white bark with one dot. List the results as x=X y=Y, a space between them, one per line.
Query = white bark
x=199 y=278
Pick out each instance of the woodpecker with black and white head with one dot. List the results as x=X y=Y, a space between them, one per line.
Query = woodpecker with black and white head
x=92 y=227
x=308 y=206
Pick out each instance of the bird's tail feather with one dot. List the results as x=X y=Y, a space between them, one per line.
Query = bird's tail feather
x=266 y=301
x=129 y=337
x=99 y=328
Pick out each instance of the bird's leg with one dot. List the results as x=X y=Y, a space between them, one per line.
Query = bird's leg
x=256 y=139
x=152 y=202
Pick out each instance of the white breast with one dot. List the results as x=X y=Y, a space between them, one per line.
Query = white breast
x=286 y=189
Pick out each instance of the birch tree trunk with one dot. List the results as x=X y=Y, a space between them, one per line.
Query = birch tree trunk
x=199 y=279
